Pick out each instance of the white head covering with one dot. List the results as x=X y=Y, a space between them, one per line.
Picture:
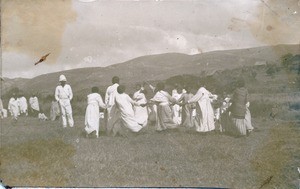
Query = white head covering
x=62 y=78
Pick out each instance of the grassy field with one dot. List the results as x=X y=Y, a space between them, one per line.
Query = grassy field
x=35 y=153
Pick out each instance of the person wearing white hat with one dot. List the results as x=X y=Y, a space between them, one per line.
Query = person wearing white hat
x=64 y=95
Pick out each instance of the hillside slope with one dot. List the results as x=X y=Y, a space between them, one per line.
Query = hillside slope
x=153 y=67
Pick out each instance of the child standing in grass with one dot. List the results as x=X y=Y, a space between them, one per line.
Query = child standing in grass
x=92 y=114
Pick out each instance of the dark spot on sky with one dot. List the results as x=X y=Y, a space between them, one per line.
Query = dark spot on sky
x=269 y=28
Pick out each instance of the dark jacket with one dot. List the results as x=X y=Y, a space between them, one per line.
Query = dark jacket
x=239 y=100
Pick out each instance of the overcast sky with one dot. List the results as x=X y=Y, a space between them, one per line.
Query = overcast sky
x=87 y=33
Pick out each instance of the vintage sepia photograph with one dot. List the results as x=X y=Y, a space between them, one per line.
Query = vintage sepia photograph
x=150 y=93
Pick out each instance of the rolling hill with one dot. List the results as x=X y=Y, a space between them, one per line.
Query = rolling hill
x=153 y=67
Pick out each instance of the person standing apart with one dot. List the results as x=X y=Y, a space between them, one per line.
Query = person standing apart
x=34 y=105
x=238 y=110
x=111 y=111
x=64 y=95
x=92 y=113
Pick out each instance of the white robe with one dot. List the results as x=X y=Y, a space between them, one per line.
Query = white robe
x=164 y=112
x=111 y=113
x=140 y=113
x=13 y=107
x=92 y=114
x=23 y=105
x=42 y=117
x=34 y=103
x=1 y=104
x=176 y=108
x=204 y=120
x=54 y=111
x=125 y=105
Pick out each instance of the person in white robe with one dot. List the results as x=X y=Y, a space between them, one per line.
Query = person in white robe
x=92 y=113
x=64 y=95
x=248 y=122
x=141 y=113
x=13 y=107
x=1 y=109
x=23 y=106
x=204 y=120
x=187 y=118
x=176 y=108
x=152 y=108
x=164 y=112
x=125 y=106
x=42 y=117
x=111 y=111
x=54 y=110
x=34 y=105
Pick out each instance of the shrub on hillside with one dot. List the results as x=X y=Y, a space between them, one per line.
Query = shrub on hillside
x=261 y=108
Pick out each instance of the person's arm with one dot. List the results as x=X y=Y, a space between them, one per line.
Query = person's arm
x=151 y=87
x=70 y=93
x=9 y=105
x=56 y=96
x=132 y=101
x=100 y=102
x=195 y=98
x=181 y=98
x=106 y=98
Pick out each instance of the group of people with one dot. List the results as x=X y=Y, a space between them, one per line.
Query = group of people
x=133 y=112
x=181 y=108
x=18 y=106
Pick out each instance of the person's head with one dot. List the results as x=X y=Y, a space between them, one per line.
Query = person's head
x=188 y=89
x=121 y=89
x=160 y=86
x=95 y=90
x=62 y=80
x=179 y=89
x=240 y=83
x=144 y=91
x=138 y=86
x=115 y=80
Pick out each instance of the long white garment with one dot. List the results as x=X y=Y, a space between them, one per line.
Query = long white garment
x=140 y=113
x=1 y=109
x=176 y=108
x=92 y=114
x=1 y=104
x=13 y=107
x=54 y=111
x=34 y=103
x=111 y=115
x=204 y=120
x=125 y=104
x=110 y=94
x=23 y=105
x=164 y=112
x=64 y=96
